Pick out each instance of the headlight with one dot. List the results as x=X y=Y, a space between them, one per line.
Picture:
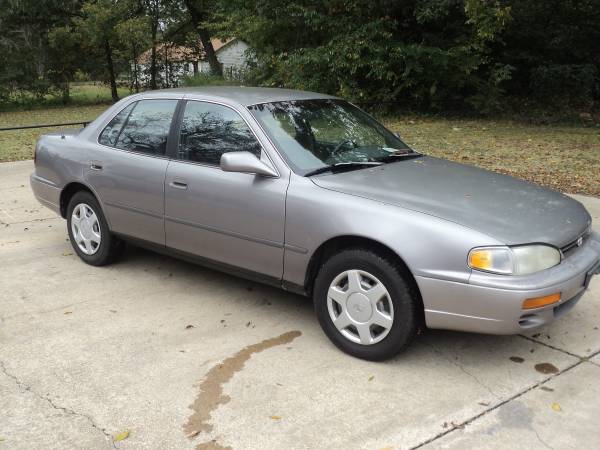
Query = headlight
x=520 y=260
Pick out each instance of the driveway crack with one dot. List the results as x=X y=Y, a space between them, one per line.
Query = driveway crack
x=481 y=383
x=541 y=440
x=465 y=371
x=549 y=346
x=472 y=419
x=27 y=388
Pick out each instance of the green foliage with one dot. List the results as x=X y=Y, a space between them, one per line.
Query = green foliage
x=64 y=49
x=576 y=82
x=434 y=55
x=429 y=54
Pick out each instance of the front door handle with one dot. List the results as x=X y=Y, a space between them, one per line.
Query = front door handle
x=178 y=184
x=96 y=165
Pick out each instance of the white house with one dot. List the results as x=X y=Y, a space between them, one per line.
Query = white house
x=233 y=56
x=175 y=61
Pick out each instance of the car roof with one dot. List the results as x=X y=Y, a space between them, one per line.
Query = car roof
x=240 y=94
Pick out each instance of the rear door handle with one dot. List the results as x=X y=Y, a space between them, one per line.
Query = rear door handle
x=178 y=184
x=96 y=165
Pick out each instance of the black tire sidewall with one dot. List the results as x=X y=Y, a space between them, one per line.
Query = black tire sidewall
x=105 y=250
x=405 y=318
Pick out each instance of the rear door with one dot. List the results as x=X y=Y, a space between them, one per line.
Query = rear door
x=128 y=169
x=236 y=219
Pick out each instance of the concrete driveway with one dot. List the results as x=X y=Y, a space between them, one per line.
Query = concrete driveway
x=157 y=353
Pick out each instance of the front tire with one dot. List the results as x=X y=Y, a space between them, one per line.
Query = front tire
x=366 y=305
x=89 y=233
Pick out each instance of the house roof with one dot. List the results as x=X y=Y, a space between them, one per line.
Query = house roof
x=180 y=53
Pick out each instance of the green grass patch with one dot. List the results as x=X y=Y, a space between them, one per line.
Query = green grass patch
x=81 y=94
x=19 y=145
x=562 y=157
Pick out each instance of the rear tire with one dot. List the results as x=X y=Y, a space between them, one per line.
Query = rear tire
x=89 y=233
x=365 y=304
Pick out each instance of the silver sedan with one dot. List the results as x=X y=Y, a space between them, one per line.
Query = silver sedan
x=307 y=192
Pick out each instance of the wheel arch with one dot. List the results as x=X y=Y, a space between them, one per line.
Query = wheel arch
x=340 y=243
x=69 y=191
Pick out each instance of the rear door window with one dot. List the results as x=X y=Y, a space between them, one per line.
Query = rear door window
x=147 y=127
x=142 y=127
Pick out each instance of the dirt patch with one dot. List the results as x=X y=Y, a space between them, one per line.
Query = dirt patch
x=516 y=359
x=211 y=395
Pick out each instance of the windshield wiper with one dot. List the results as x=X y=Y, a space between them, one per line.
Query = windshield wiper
x=394 y=156
x=341 y=166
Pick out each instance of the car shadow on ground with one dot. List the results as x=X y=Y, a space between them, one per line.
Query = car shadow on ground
x=449 y=345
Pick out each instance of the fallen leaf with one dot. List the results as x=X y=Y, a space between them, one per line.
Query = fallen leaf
x=68 y=312
x=371 y=377
x=187 y=327
x=121 y=436
x=67 y=253
x=556 y=407
x=193 y=434
x=276 y=417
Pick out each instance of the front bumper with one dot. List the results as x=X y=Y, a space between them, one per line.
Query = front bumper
x=492 y=304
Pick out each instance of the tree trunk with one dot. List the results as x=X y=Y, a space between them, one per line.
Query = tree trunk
x=166 y=82
x=197 y=18
x=153 y=56
x=66 y=95
x=111 y=71
x=211 y=56
x=136 y=77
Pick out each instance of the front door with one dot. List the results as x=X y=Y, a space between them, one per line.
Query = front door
x=235 y=219
x=127 y=170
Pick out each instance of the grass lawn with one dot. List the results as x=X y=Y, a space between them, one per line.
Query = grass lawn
x=562 y=157
x=18 y=145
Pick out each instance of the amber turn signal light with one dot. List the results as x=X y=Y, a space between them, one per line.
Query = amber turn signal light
x=538 y=302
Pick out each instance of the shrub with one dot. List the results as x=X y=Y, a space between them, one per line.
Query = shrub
x=567 y=82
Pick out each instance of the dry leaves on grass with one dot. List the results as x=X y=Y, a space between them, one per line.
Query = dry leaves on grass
x=563 y=158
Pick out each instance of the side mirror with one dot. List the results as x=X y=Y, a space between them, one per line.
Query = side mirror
x=245 y=162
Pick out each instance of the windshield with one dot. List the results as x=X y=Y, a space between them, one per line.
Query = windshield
x=313 y=134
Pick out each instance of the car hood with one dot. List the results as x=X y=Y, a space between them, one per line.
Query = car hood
x=505 y=208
